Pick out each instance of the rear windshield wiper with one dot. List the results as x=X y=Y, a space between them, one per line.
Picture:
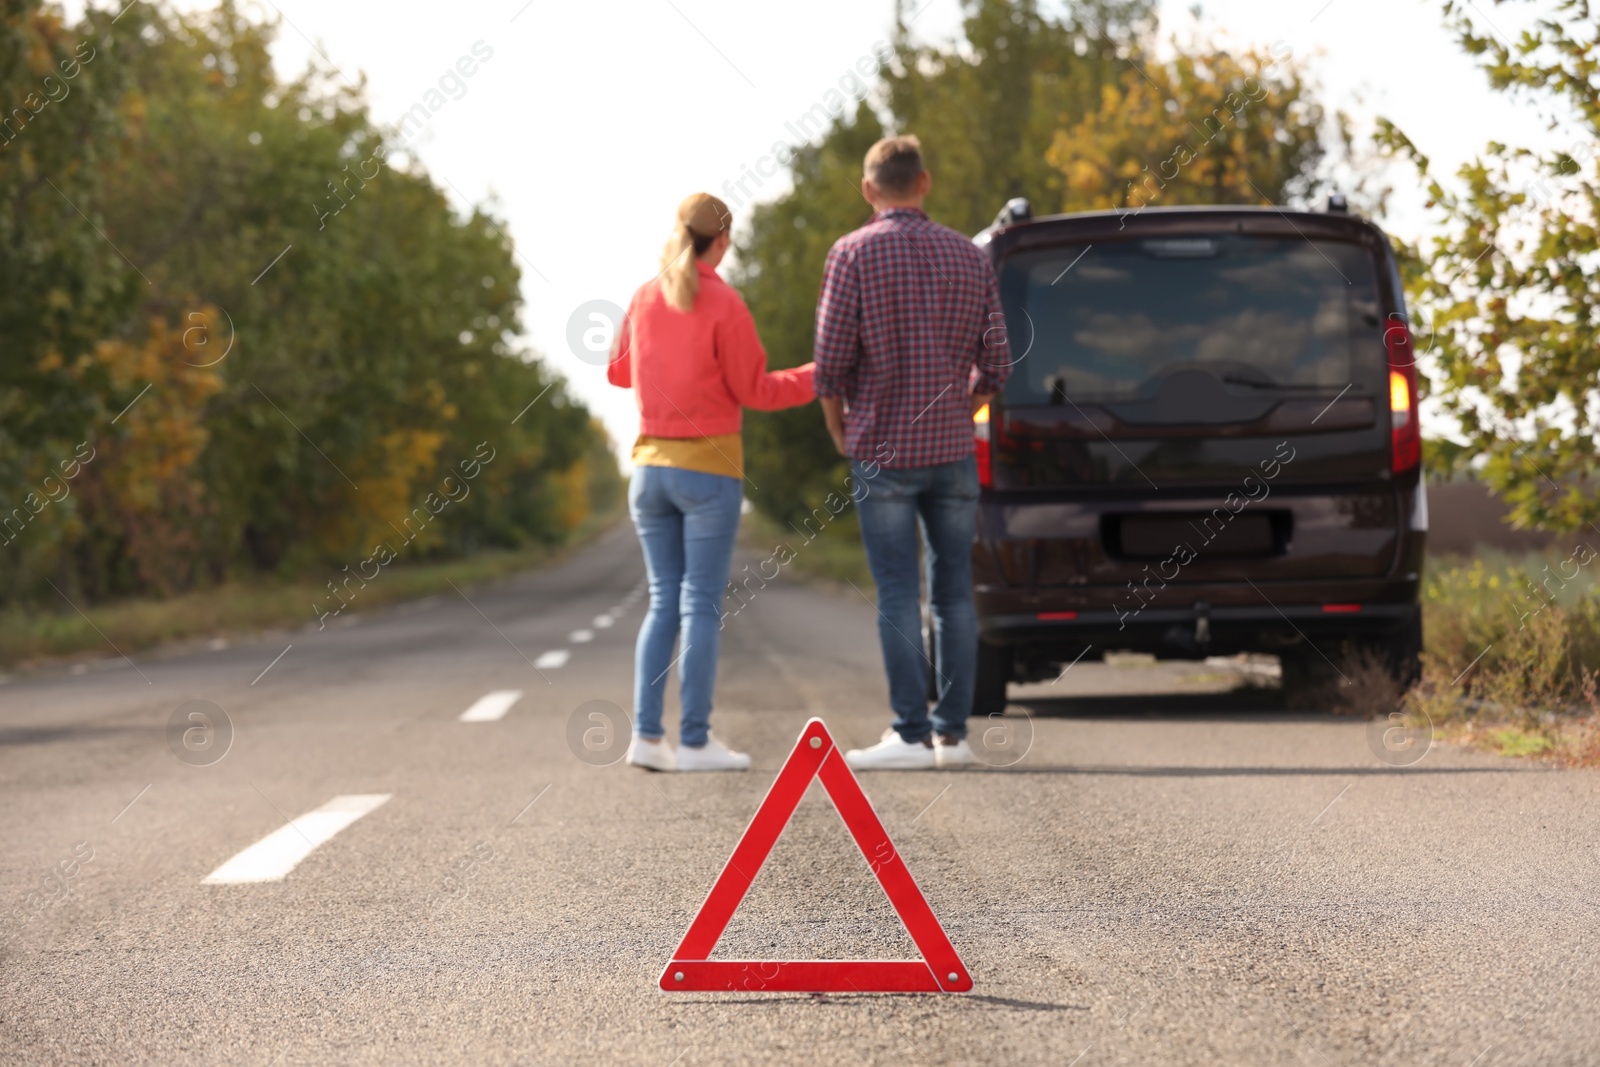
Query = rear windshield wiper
x=1255 y=383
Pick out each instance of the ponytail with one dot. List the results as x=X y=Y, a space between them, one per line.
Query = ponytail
x=701 y=220
x=680 y=270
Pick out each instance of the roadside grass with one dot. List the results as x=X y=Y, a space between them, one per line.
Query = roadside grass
x=30 y=637
x=1512 y=656
x=1514 y=741
x=832 y=555
x=1367 y=688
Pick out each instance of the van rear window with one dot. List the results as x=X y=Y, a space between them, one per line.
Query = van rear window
x=1262 y=315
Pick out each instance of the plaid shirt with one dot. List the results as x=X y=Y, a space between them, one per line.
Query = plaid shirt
x=909 y=326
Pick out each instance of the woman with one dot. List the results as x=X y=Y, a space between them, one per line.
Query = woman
x=688 y=349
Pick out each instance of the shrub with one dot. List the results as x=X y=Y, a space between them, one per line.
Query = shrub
x=1512 y=651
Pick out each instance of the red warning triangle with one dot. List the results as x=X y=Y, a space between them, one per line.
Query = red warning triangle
x=815 y=756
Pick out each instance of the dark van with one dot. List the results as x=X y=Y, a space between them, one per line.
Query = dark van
x=1208 y=443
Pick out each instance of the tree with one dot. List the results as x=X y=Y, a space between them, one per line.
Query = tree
x=62 y=287
x=1505 y=294
x=1199 y=129
x=311 y=335
x=988 y=114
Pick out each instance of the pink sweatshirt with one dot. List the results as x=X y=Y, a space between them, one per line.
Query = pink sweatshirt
x=694 y=371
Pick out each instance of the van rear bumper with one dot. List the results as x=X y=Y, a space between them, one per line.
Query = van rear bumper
x=1194 y=632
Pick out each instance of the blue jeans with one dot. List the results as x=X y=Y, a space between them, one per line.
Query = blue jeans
x=687 y=521
x=943 y=500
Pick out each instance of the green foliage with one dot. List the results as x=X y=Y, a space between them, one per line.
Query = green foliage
x=1051 y=107
x=1244 y=129
x=1511 y=644
x=1506 y=296
x=295 y=413
x=1445 y=460
x=989 y=113
x=1478 y=605
x=61 y=286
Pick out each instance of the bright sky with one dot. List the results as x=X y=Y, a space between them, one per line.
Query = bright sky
x=590 y=121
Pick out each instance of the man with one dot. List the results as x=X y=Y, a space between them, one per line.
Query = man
x=910 y=344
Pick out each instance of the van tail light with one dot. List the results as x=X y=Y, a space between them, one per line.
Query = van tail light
x=1405 y=441
x=980 y=445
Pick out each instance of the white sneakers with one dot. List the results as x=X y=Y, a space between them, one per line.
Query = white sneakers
x=652 y=755
x=889 y=754
x=894 y=754
x=948 y=753
x=712 y=756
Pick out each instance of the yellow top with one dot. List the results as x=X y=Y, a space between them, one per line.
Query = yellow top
x=723 y=454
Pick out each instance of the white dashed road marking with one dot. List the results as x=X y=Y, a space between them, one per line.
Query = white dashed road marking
x=581 y=637
x=554 y=658
x=492 y=706
x=603 y=622
x=275 y=855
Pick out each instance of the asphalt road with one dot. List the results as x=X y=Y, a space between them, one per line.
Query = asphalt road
x=1183 y=876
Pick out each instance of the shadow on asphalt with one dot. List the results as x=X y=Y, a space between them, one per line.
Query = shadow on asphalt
x=1025 y=1005
x=1253 y=705
x=1238 y=705
x=845 y=998
x=1241 y=772
x=46 y=735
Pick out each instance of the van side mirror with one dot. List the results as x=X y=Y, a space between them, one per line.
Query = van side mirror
x=1017 y=209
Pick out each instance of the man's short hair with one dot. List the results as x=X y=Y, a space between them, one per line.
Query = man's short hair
x=894 y=164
